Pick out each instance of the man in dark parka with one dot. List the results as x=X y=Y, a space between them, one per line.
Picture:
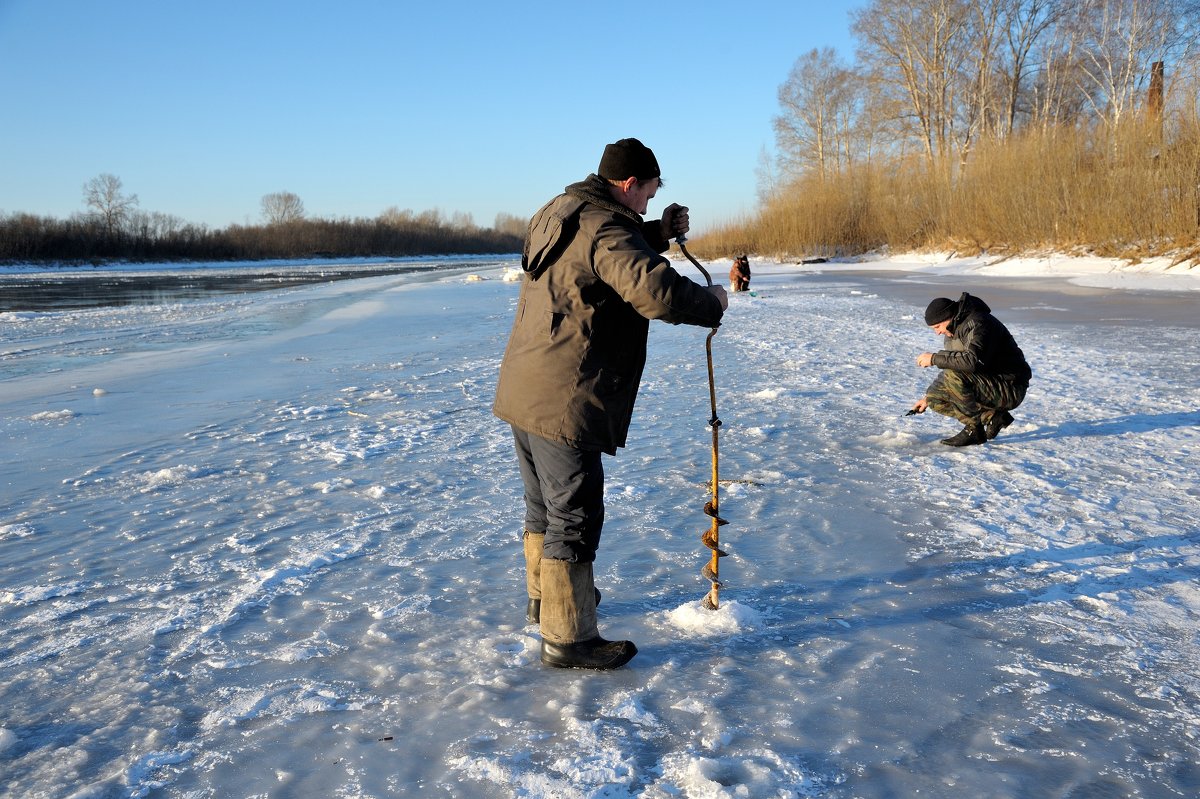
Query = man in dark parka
x=984 y=373
x=594 y=277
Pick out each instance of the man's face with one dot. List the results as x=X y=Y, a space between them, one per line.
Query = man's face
x=641 y=194
x=942 y=329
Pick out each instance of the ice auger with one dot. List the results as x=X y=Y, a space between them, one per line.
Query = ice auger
x=711 y=537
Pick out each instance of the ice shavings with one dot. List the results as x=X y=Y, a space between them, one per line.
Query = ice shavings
x=731 y=617
x=53 y=416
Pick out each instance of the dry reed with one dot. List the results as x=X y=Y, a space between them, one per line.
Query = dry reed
x=1132 y=192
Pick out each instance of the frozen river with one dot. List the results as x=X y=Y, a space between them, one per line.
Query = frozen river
x=267 y=544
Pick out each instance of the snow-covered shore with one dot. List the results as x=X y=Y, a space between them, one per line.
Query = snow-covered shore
x=1152 y=274
x=266 y=545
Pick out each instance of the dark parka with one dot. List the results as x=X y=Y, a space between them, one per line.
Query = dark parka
x=594 y=277
x=981 y=344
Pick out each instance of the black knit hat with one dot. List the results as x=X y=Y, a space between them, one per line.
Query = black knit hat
x=940 y=310
x=628 y=158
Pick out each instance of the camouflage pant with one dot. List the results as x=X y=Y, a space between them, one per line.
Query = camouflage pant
x=970 y=397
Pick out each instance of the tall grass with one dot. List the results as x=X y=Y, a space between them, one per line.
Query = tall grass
x=1130 y=192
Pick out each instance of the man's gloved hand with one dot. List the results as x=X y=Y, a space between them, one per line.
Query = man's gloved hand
x=675 y=221
x=722 y=295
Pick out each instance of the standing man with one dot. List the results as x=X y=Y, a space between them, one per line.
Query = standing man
x=594 y=277
x=984 y=374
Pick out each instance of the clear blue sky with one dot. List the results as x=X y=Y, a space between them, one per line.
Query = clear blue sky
x=203 y=106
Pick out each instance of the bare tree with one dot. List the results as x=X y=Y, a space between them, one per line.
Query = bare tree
x=1054 y=97
x=431 y=218
x=819 y=103
x=920 y=46
x=1025 y=23
x=510 y=225
x=396 y=216
x=1123 y=38
x=462 y=220
x=767 y=173
x=102 y=195
x=282 y=207
x=975 y=89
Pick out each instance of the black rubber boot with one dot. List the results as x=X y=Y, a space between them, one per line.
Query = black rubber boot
x=971 y=434
x=594 y=654
x=570 y=639
x=999 y=421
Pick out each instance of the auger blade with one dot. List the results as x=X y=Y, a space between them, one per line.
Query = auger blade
x=707 y=603
x=709 y=540
x=711 y=511
x=710 y=575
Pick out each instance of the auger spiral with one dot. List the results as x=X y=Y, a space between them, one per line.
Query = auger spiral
x=711 y=537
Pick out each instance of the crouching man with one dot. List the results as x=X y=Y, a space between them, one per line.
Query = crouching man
x=984 y=374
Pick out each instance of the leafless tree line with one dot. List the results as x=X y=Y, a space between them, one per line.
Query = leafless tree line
x=113 y=227
x=935 y=77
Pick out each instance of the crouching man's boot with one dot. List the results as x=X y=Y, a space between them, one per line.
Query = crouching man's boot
x=999 y=421
x=973 y=433
x=570 y=638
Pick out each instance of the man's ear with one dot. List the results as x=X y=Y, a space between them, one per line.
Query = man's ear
x=628 y=183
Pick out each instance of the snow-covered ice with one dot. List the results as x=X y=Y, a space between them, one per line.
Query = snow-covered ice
x=268 y=545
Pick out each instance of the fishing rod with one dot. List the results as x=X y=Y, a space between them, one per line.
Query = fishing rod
x=711 y=537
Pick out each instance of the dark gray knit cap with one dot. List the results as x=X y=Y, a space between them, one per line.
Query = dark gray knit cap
x=940 y=310
x=628 y=158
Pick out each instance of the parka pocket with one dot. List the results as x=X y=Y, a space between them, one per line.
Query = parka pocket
x=609 y=382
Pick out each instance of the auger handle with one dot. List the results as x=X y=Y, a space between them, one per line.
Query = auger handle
x=680 y=239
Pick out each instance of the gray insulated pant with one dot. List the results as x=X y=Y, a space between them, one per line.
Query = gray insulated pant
x=564 y=496
x=970 y=397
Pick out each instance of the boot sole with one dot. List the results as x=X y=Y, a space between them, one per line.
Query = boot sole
x=950 y=442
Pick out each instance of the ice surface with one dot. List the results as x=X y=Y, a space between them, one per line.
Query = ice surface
x=278 y=554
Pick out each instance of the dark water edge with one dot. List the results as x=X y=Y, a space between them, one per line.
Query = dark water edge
x=75 y=290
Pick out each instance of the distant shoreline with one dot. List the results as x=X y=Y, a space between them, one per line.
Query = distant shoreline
x=55 y=291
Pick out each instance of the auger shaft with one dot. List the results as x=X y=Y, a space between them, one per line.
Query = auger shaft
x=711 y=537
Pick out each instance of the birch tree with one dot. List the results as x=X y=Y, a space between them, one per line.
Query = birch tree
x=817 y=102
x=1123 y=38
x=918 y=45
